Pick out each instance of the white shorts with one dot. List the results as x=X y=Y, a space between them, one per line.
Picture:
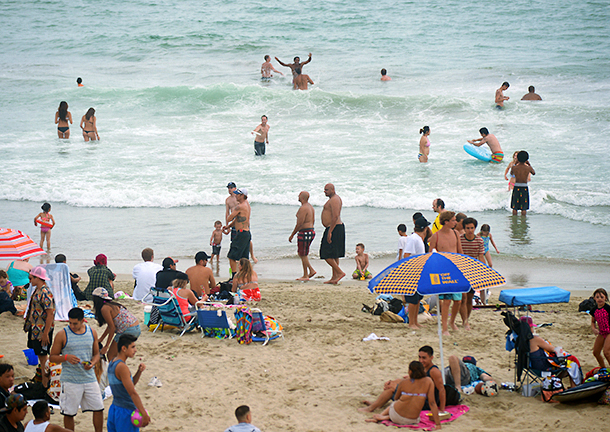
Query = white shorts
x=88 y=396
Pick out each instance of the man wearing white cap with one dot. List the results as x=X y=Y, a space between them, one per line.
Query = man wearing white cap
x=40 y=320
x=240 y=220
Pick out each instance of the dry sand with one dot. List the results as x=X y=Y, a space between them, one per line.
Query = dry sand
x=316 y=378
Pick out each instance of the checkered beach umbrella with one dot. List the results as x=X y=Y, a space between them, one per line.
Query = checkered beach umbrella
x=435 y=273
x=16 y=245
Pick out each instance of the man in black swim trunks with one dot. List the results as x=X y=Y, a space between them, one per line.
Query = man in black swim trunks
x=240 y=220
x=332 y=246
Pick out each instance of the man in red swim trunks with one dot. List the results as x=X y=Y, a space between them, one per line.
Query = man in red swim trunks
x=304 y=227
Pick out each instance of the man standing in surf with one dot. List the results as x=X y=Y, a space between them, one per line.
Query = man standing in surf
x=500 y=98
x=304 y=227
x=332 y=246
x=296 y=65
x=262 y=136
x=490 y=139
x=240 y=220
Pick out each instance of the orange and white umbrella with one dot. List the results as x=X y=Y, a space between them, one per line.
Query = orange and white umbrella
x=16 y=245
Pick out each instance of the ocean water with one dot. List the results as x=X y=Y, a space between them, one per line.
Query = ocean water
x=177 y=90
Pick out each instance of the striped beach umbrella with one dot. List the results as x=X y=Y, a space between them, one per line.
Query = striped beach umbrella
x=435 y=273
x=16 y=245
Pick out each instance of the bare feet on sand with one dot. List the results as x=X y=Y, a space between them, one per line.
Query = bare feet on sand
x=367 y=408
x=312 y=274
x=453 y=326
x=446 y=333
x=336 y=281
x=414 y=327
x=303 y=278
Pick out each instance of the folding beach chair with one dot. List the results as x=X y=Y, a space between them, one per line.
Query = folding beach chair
x=214 y=321
x=264 y=330
x=169 y=311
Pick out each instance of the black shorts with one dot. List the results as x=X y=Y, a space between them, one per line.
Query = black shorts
x=414 y=299
x=520 y=199
x=240 y=246
x=216 y=250
x=336 y=249
x=36 y=345
x=259 y=148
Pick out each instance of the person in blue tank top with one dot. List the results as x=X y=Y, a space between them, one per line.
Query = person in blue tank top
x=125 y=398
x=78 y=349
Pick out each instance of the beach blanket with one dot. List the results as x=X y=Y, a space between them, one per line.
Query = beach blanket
x=61 y=287
x=427 y=423
x=243 y=331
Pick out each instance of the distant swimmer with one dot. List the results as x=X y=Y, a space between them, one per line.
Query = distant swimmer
x=297 y=64
x=490 y=139
x=500 y=98
x=62 y=117
x=262 y=136
x=424 y=144
x=531 y=95
x=90 y=126
x=301 y=80
x=79 y=81
x=384 y=76
x=267 y=67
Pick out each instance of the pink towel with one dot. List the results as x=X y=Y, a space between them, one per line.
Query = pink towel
x=427 y=423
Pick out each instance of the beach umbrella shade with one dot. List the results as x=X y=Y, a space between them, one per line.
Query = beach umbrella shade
x=16 y=245
x=435 y=273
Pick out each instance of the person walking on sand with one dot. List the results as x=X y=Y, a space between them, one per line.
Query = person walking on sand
x=424 y=144
x=266 y=69
x=297 y=64
x=262 y=136
x=531 y=95
x=301 y=80
x=332 y=246
x=62 y=117
x=90 y=126
x=304 y=228
x=500 y=98
x=490 y=139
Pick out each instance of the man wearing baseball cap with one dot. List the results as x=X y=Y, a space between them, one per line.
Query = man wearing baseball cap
x=240 y=220
x=40 y=320
x=200 y=275
x=13 y=414
x=168 y=274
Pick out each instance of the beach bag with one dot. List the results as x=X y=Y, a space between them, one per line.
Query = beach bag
x=551 y=386
x=54 y=389
x=395 y=305
x=587 y=305
x=31 y=390
x=390 y=317
x=380 y=307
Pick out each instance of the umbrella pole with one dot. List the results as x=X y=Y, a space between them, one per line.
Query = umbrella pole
x=440 y=335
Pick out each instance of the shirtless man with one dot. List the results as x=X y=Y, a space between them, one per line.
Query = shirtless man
x=304 y=226
x=490 y=139
x=500 y=98
x=262 y=136
x=297 y=64
x=384 y=76
x=332 y=246
x=521 y=170
x=267 y=67
x=531 y=96
x=300 y=81
x=201 y=276
x=240 y=220
x=447 y=240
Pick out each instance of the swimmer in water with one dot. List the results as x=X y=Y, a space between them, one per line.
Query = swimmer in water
x=424 y=144
x=62 y=117
x=500 y=98
x=492 y=142
x=267 y=67
x=79 y=81
x=90 y=129
x=384 y=75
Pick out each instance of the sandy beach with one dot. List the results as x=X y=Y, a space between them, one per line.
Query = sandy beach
x=316 y=378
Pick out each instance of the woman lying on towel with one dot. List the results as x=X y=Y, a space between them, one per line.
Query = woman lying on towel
x=413 y=393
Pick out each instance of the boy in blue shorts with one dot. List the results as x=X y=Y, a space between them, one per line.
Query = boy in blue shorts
x=125 y=398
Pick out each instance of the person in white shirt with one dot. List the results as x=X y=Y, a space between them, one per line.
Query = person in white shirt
x=402 y=241
x=145 y=274
x=415 y=246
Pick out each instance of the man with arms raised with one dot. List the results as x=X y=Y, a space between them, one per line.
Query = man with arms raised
x=297 y=64
x=332 y=246
x=304 y=227
x=200 y=275
x=490 y=139
x=240 y=220
x=447 y=240
x=474 y=247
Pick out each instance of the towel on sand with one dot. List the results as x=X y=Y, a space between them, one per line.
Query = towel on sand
x=427 y=423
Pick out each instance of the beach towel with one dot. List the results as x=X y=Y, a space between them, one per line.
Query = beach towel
x=61 y=287
x=427 y=423
x=243 y=331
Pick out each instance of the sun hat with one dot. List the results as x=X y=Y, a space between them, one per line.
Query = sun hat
x=101 y=292
x=15 y=400
x=39 y=272
x=242 y=191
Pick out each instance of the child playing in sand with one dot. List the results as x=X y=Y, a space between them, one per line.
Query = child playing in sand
x=485 y=234
x=215 y=241
x=601 y=316
x=362 y=264
x=244 y=417
x=522 y=171
x=46 y=221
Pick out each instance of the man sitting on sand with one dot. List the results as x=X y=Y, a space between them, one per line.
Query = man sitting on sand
x=244 y=417
x=145 y=274
x=201 y=277
x=531 y=96
x=426 y=354
x=467 y=372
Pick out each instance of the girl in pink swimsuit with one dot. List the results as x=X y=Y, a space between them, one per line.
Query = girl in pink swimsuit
x=46 y=218
x=424 y=144
x=601 y=316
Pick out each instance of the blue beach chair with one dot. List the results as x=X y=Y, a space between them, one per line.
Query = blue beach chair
x=260 y=331
x=214 y=322
x=169 y=311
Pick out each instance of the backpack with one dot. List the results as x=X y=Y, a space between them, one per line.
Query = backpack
x=395 y=305
x=587 y=305
x=31 y=390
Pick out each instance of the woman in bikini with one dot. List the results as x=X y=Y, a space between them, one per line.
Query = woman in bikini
x=424 y=144
x=411 y=394
x=62 y=117
x=246 y=277
x=90 y=127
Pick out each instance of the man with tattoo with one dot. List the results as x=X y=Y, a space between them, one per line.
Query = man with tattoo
x=240 y=220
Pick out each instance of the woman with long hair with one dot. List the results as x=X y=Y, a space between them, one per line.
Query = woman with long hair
x=246 y=277
x=90 y=126
x=411 y=394
x=116 y=317
x=62 y=117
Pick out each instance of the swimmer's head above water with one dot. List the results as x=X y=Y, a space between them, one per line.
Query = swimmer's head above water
x=484 y=132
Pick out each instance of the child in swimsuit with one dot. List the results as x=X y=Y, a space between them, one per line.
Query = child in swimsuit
x=46 y=218
x=601 y=316
x=215 y=240
x=485 y=234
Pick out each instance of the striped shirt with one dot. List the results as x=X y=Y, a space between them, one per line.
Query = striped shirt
x=80 y=345
x=473 y=248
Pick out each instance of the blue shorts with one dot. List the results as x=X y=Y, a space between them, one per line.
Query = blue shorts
x=119 y=420
x=133 y=330
x=456 y=297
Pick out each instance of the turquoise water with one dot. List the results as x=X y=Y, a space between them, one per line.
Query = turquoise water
x=176 y=88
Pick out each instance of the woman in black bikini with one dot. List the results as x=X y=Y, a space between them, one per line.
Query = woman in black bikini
x=62 y=117
x=90 y=129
